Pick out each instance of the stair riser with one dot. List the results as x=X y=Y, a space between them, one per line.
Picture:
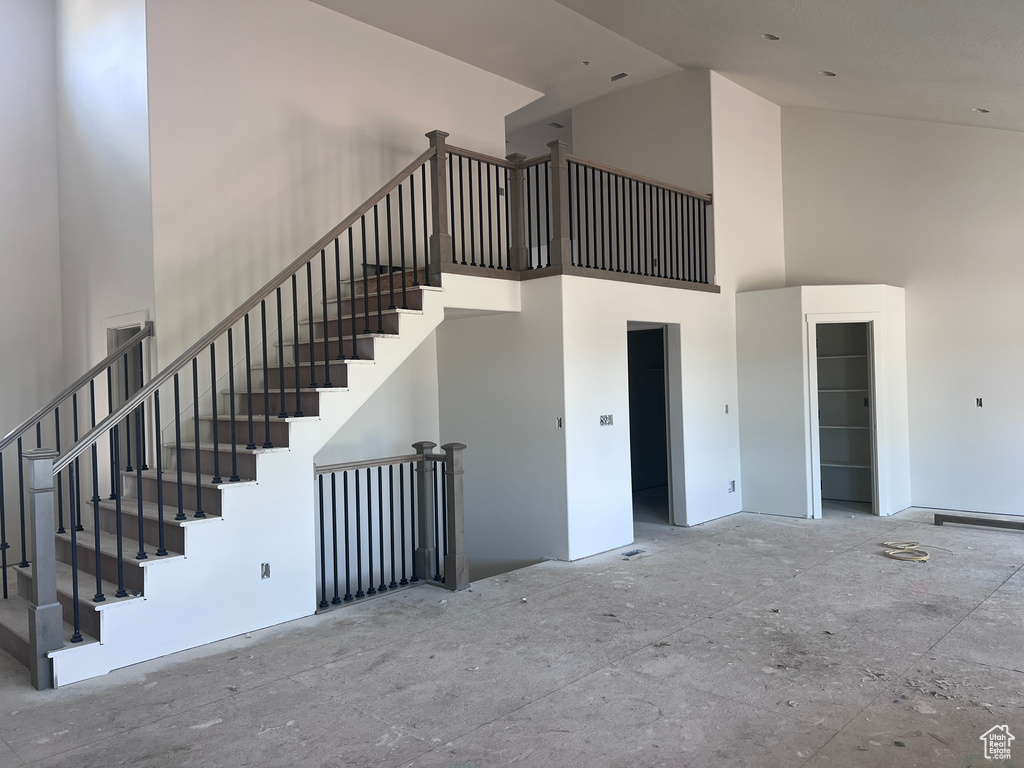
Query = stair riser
x=338 y=375
x=15 y=645
x=364 y=345
x=246 y=461
x=89 y=617
x=413 y=300
x=386 y=323
x=211 y=496
x=133 y=579
x=174 y=535
x=278 y=432
x=309 y=403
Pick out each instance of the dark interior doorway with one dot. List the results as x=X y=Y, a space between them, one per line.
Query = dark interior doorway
x=648 y=426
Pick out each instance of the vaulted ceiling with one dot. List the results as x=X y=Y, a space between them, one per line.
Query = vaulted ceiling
x=935 y=60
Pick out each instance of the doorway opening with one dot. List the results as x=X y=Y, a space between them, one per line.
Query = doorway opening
x=845 y=418
x=648 y=426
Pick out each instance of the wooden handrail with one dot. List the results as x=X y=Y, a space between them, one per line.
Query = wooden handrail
x=81 y=381
x=637 y=177
x=326 y=469
x=469 y=153
x=186 y=357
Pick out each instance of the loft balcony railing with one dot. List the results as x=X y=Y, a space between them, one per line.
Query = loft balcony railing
x=450 y=210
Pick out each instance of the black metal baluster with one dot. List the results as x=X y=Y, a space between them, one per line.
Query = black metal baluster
x=462 y=212
x=213 y=403
x=451 y=210
x=323 y=306
x=142 y=406
x=391 y=260
x=401 y=244
x=618 y=225
x=426 y=233
x=348 y=549
x=60 y=487
x=630 y=228
x=4 y=546
x=76 y=636
x=444 y=508
x=412 y=230
x=295 y=348
x=231 y=396
x=337 y=303
x=380 y=526
x=323 y=548
x=312 y=334
x=528 y=210
x=110 y=410
x=542 y=259
x=573 y=209
x=412 y=518
x=602 y=215
x=503 y=252
x=401 y=516
x=370 y=590
x=195 y=423
x=490 y=224
x=177 y=449
x=141 y=554
x=480 y=205
x=39 y=434
x=704 y=238
x=391 y=530
x=161 y=550
x=21 y=496
x=77 y=490
x=437 y=542
x=250 y=399
x=472 y=215
x=359 y=535
x=267 y=443
x=127 y=421
x=334 y=537
x=376 y=254
x=586 y=219
x=366 y=286
x=121 y=591
x=352 y=299
x=99 y=597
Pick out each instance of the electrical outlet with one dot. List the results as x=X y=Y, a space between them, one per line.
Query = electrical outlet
x=732 y=486
x=264 y=570
x=606 y=420
x=726 y=407
x=558 y=422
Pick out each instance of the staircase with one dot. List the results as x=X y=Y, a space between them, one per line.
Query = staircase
x=209 y=584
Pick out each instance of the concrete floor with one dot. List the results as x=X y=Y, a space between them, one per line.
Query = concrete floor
x=749 y=641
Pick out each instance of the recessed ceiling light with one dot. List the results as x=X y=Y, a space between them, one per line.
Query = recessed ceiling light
x=619 y=76
x=982 y=110
x=556 y=125
x=770 y=36
x=826 y=73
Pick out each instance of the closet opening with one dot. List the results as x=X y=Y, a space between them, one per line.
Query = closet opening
x=648 y=426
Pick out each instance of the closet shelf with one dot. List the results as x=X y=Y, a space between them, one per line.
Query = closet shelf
x=842 y=357
x=840 y=426
x=841 y=390
x=845 y=465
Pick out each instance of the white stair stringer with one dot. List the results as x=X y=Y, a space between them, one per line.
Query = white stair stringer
x=216 y=591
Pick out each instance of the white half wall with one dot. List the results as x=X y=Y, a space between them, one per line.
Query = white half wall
x=934 y=209
x=30 y=293
x=106 y=223
x=271 y=120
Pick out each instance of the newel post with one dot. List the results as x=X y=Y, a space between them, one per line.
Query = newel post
x=440 y=237
x=560 y=247
x=456 y=563
x=45 y=617
x=424 y=556
x=518 y=252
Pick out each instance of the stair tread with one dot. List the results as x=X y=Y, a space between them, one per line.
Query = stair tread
x=225 y=447
x=319 y=318
x=86 y=588
x=129 y=546
x=188 y=477
x=289 y=391
x=242 y=417
x=273 y=369
x=347 y=337
x=150 y=511
x=14 y=616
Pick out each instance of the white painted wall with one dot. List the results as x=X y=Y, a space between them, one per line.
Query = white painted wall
x=403 y=411
x=271 y=120
x=660 y=129
x=934 y=209
x=501 y=385
x=30 y=293
x=106 y=228
x=778 y=437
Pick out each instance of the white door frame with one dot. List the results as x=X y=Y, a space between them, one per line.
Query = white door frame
x=876 y=385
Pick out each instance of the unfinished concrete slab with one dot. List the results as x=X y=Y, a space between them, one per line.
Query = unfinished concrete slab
x=748 y=641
